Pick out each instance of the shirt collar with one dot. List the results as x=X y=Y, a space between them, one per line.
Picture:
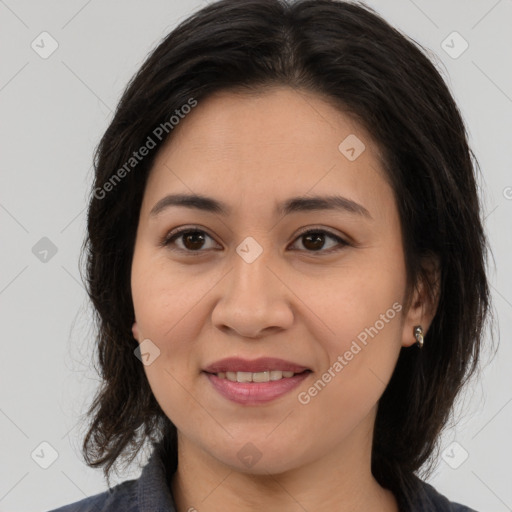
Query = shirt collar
x=153 y=490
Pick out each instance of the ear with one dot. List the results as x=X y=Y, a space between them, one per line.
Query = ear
x=135 y=331
x=423 y=306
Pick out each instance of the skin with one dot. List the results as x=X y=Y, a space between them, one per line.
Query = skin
x=292 y=302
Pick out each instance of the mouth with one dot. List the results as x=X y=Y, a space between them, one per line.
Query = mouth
x=255 y=382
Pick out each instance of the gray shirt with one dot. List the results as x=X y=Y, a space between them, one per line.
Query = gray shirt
x=151 y=493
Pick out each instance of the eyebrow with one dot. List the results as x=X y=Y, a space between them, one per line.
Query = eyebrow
x=294 y=204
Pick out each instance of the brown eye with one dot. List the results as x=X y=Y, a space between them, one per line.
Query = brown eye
x=191 y=240
x=314 y=240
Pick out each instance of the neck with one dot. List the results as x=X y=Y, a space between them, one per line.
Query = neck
x=340 y=480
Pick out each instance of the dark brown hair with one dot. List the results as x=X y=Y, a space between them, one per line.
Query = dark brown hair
x=348 y=54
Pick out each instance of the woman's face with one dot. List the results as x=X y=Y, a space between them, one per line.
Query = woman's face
x=248 y=283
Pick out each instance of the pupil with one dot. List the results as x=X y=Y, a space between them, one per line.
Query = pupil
x=196 y=238
x=318 y=241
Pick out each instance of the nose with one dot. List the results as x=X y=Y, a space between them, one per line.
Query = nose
x=254 y=301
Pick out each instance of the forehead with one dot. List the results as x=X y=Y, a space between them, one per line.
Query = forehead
x=276 y=117
x=274 y=143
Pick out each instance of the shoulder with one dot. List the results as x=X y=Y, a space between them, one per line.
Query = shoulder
x=427 y=499
x=121 y=497
x=150 y=491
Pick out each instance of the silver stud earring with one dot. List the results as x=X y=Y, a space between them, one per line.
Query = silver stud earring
x=418 y=334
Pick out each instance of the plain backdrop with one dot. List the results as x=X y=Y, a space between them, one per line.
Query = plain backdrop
x=53 y=113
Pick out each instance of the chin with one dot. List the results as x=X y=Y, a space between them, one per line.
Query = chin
x=260 y=458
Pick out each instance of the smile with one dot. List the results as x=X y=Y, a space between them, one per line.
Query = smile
x=255 y=388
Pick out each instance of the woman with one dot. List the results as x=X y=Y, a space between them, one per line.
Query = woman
x=287 y=260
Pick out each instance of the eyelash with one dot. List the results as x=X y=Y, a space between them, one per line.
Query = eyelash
x=173 y=235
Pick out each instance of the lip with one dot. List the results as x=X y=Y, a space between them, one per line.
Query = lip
x=253 y=393
x=237 y=364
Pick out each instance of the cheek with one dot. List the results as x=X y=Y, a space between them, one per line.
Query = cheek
x=362 y=294
x=360 y=336
x=166 y=297
x=169 y=309
x=359 y=358
x=165 y=302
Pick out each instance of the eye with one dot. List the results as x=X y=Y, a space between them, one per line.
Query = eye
x=314 y=240
x=194 y=239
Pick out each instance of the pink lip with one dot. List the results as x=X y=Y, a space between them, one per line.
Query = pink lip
x=252 y=393
x=237 y=364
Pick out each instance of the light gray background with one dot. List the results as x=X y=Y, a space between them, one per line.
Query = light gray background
x=53 y=112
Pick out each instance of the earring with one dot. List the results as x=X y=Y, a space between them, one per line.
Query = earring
x=418 y=334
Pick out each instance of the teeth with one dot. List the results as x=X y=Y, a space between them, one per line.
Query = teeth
x=266 y=376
